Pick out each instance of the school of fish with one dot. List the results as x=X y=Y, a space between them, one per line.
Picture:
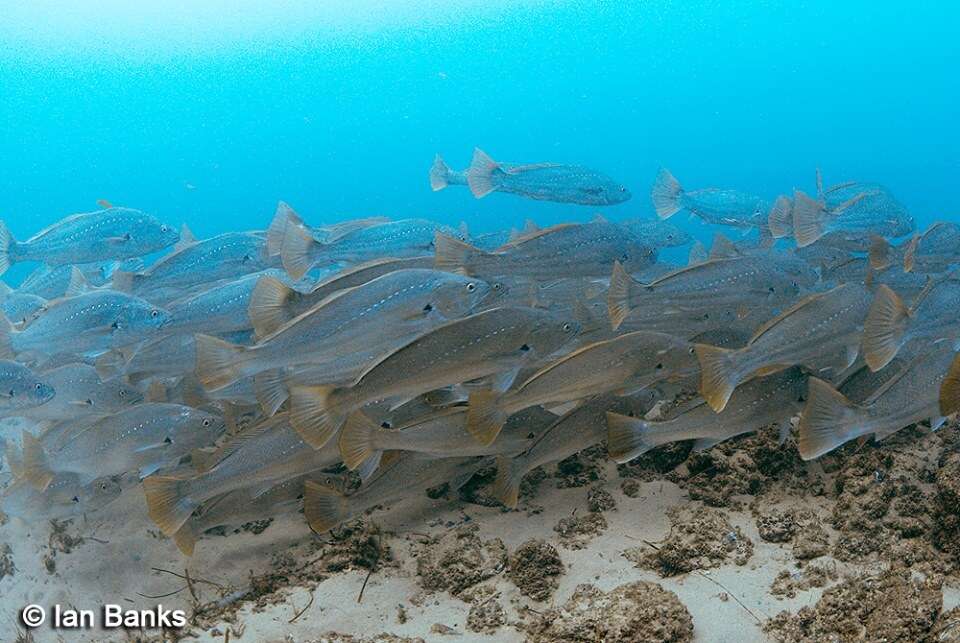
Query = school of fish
x=254 y=373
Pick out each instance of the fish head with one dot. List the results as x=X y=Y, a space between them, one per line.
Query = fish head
x=141 y=318
x=497 y=295
x=636 y=255
x=200 y=426
x=122 y=395
x=454 y=296
x=157 y=235
x=610 y=193
x=27 y=391
x=552 y=334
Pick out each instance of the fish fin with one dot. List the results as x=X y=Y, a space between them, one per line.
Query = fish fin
x=501 y=382
x=187 y=238
x=295 y=252
x=439 y=172
x=357 y=440
x=313 y=416
x=626 y=437
x=110 y=364
x=780 y=217
x=14 y=459
x=783 y=431
x=666 y=194
x=203 y=459
x=283 y=217
x=910 y=254
x=618 y=295
x=453 y=255
x=765 y=240
x=218 y=362
x=808 y=219
x=156 y=392
x=885 y=328
x=77 y=284
x=6 y=338
x=849 y=203
x=698 y=253
x=722 y=247
x=35 y=469
x=268 y=305
x=879 y=253
x=485 y=419
x=950 y=390
x=719 y=375
x=323 y=507
x=185 y=540
x=481 y=174
x=369 y=466
x=506 y=486
x=824 y=421
x=7 y=244
x=168 y=503
x=270 y=387
x=123 y=281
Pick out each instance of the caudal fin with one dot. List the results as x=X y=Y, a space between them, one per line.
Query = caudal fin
x=168 y=502
x=270 y=387
x=885 y=329
x=357 y=440
x=780 y=218
x=626 y=437
x=910 y=254
x=6 y=245
x=719 y=374
x=453 y=255
x=826 y=420
x=666 y=194
x=14 y=459
x=618 y=295
x=439 y=172
x=218 y=362
x=879 y=253
x=268 y=309
x=283 y=217
x=314 y=414
x=950 y=390
x=482 y=174
x=506 y=486
x=485 y=418
x=295 y=254
x=323 y=507
x=809 y=222
x=185 y=540
x=35 y=469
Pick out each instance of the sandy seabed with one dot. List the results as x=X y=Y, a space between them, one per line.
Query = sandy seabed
x=742 y=542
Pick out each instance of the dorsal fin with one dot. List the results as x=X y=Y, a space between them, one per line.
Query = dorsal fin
x=723 y=248
x=525 y=236
x=187 y=238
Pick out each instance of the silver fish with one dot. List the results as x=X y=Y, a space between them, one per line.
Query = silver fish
x=713 y=205
x=22 y=389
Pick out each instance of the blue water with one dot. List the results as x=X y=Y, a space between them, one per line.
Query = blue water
x=210 y=115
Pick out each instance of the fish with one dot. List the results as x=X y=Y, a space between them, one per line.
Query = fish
x=21 y=308
x=442 y=434
x=712 y=205
x=397 y=239
x=113 y=233
x=936 y=250
x=566 y=250
x=772 y=399
x=264 y=455
x=849 y=216
x=829 y=419
x=658 y=234
x=79 y=396
x=715 y=285
x=950 y=390
x=441 y=176
x=54 y=282
x=576 y=430
x=821 y=332
x=626 y=363
x=65 y=497
x=21 y=388
x=91 y=322
x=354 y=324
x=543 y=182
x=142 y=438
x=891 y=323
x=496 y=342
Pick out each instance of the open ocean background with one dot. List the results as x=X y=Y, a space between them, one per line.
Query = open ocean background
x=210 y=114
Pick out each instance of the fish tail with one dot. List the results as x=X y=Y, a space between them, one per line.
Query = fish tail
x=35 y=469
x=950 y=390
x=185 y=540
x=885 y=329
x=169 y=504
x=626 y=437
x=315 y=413
x=453 y=255
x=780 y=218
x=506 y=486
x=295 y=255
x=825 y=421
x=7 y=332
x=14 y=459
x=358 y=440
x=268 y=309
x=666 y=194
x=719 y=374
x=485 y=419
x=270 y=387
x=7 y=245
x=219 y=363
x=808 y=220
x=77 y=284
x=482 y=176
x=282 y=218
x=618 y=295
x=439 y=173
x=323 y=507
x=879 y=252
x=910 y=254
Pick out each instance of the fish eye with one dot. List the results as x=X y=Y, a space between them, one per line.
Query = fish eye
x=39 y=386
x=123 y=393
x=154 y=313
x=206 y=423
x=567 y=327
x=497 y=286
x=691 y=350
x=164 y=228
x=471 y=287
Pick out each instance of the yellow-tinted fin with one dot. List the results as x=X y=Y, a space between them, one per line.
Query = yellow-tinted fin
x=34 y=468
x=185 y=540
x=283 y=217
x=268 y=309
x=357 y=440
x=950 y=390
x=718 y=374
x=885 y=328
x=323 y=507
x=295 y=253
x=506 y=486
x=780 y=217
x=666 y=194
x=168 y=504
x=453 y=255
x=439 y=172
x=14 y=459
x=481 y=176
x=218 y=362
x=826 y=420
x=808 y=219
x=626 y=437
x=314 y=414
x=618 y=295
x=910 y=254
x=484 y=417
x=270 y=387
x=879 y=252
